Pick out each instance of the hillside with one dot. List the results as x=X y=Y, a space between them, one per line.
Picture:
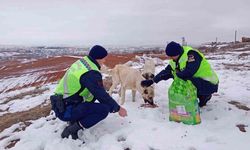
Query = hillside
x=27 y=81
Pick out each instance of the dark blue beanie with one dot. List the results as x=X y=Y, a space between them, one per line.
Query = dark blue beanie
x=173 y=49
x=98 y=52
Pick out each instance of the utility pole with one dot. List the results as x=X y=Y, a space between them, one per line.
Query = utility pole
x=216 y=42
x=235 y=36
x=184 y=43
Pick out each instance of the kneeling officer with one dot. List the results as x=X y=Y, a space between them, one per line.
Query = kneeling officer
x=189 y=64
x=77 y=91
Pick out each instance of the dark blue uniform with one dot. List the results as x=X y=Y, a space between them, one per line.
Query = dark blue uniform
x=90 y=113
x=204 y=88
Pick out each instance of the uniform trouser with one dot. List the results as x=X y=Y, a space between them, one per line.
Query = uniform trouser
x=203 y=99
x=88 y=114
x=205 y=90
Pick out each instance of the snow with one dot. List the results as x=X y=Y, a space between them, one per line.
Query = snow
x=8 y=54
x=19 y=81
x=28 y=102
x=150 y=129
x=27 y=60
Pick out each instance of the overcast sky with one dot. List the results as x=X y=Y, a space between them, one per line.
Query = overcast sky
x=121 y=22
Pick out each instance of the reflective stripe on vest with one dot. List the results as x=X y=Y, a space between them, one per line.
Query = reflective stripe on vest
x=70 y=83
x=204 y=71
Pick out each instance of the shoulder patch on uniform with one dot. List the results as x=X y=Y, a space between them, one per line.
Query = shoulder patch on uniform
x=191 y=58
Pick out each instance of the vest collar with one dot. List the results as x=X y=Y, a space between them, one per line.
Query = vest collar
x=179 y=56
x=95 y=62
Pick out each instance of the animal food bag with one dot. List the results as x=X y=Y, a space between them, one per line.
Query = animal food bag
x=183 y=104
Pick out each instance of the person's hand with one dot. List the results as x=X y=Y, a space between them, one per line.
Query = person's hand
x=122 y=112
x=146 y=83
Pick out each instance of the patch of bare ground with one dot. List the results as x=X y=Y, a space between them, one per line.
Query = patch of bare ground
x=236 y=67
x=20 y=96
x=242 y=127
x=11 y=144
x=214 y=58
x=239 y=105
x=49 y=69
x=34 y=113
x=55 y=70
x=245 y=50
x=45 y=64
x=243 y=55
x=206 y=50
x=233 y=46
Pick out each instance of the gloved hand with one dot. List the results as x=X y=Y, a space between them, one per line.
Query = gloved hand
x=146 y=83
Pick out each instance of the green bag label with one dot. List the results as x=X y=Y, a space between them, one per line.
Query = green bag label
x=183 y=104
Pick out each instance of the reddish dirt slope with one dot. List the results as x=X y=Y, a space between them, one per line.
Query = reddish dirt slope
x=52 y=69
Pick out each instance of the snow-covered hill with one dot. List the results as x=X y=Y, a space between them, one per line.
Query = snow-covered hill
x=225 y=120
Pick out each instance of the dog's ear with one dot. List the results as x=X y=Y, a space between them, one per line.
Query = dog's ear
x=145 y=75
x=148 y=76
x=152 y=76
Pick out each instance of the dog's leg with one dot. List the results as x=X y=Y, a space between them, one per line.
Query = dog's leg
x=114 y=85
x=122 y=100
x=115 y=81
x=111 y=89
x=119 y=91
x=133 y=95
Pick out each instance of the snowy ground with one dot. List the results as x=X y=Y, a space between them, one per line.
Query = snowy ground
x=150 y=129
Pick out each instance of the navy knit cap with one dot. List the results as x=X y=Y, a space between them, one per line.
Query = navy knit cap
x=173 y=49
x=98 y=52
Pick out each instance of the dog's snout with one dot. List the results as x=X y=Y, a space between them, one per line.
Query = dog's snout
x=151 y=102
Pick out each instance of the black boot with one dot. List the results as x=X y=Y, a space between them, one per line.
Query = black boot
x=204 y=99
x=72 y=130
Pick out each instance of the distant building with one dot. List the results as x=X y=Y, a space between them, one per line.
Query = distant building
x=245 y=39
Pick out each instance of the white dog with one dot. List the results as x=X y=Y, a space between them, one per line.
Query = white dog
x=130 y=78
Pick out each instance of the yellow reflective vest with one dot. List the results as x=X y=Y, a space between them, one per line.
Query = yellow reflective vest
x=205 y=71
x=70 y=83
